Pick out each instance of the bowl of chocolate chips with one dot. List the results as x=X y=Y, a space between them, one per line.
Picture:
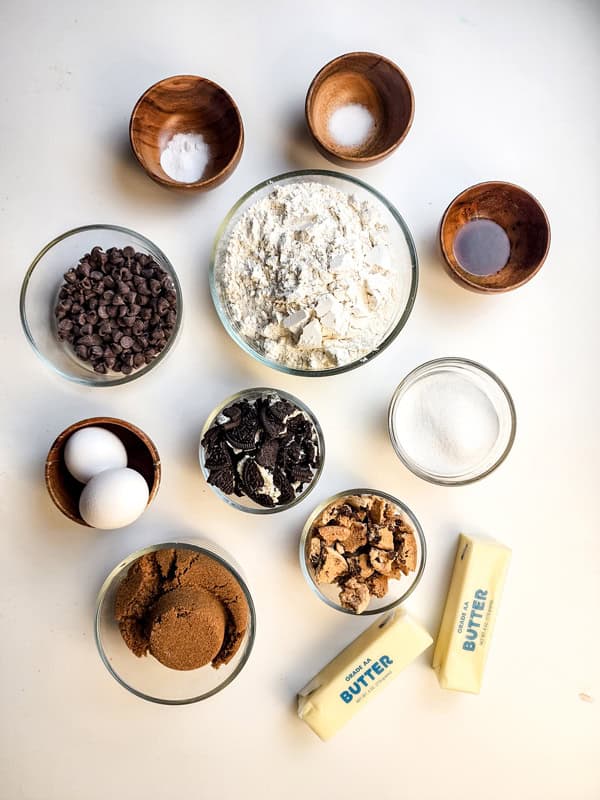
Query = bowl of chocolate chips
x=262 y=450
x=101 y=305
x=363 y=551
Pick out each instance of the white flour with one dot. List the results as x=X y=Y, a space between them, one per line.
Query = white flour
x=307 y=277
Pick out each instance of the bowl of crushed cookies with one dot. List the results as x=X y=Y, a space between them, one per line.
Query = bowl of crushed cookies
x=362 y=551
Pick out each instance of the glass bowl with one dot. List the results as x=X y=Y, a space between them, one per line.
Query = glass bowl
x=399 y=590
x=148 y=678
x=39 y=294
x=245 y=503
x=496 y=392
x=401 y=242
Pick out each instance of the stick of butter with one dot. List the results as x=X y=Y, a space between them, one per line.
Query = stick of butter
x=360 y=671
x=469 y=616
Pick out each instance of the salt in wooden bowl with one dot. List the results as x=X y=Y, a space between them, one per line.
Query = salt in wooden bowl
x=368 y=80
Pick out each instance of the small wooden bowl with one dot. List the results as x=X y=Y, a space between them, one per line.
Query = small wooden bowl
x=65 y=490
x=187 y=104
x=369 y=80
x=524 y=221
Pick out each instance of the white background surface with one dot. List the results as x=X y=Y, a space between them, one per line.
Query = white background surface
x=503 y=90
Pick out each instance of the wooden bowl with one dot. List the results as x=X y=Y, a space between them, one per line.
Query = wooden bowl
x=522 y=218
x=65 y=490
x=369 y=80
x=187 y=104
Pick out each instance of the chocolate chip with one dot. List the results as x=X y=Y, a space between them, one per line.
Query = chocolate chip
x=105 y=299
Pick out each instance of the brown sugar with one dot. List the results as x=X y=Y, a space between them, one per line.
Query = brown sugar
x=177 y=617
x=183 y=607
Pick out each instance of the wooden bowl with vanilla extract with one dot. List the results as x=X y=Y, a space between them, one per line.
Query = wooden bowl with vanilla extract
x=187 y=104
x=359 y=109
x=494 y=237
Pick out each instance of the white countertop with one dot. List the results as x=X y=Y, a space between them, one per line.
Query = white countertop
x=503 y=90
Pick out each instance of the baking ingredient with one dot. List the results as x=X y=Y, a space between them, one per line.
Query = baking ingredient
x=91 y=450
x=360 y=672
x=446 y=424
x=117 y=309
x=183 y=607
x=469 y=617
x=113 y=498
x=308 y=276
x=175 y=620
x=481 y=247
x=185 y=157
x=359 y=543
x=351 y=125
x=263 y=447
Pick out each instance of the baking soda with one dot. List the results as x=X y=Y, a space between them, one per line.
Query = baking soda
x=185 y=157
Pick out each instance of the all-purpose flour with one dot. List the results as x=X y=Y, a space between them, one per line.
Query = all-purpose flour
x=308 y=279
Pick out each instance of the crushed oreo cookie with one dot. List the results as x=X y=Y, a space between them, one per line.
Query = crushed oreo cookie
x=359 y=543
x=264 y=448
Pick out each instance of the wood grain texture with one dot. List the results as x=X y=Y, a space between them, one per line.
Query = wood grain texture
x=518 y=213
x=372 y=81
x=142 y=456
x=187 y=104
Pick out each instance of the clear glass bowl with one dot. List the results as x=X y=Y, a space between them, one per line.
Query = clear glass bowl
x=245 y=503
x=39 y=294
x=490 y=385
x=148 y=678
x=400 y=237
x=399 y=590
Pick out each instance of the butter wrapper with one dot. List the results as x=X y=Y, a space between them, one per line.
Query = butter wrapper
x=463 y=642
x=360 y=672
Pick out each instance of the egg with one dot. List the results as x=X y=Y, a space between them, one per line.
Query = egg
x=92 y=450
x=113 y=498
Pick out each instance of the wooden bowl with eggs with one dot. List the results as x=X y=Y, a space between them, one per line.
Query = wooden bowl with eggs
x=65 y=490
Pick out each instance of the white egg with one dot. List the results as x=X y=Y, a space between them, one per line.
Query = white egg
x=90 y=451
x=113 y=498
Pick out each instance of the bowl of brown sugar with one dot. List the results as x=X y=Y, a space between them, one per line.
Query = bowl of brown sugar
x=175 y=623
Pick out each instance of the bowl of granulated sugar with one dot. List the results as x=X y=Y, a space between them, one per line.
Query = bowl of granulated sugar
x=452 y=421
x=187 y=133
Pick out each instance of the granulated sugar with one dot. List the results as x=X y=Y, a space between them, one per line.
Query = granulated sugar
x=446 y=424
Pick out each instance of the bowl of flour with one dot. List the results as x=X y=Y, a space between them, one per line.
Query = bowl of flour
x=313 y=273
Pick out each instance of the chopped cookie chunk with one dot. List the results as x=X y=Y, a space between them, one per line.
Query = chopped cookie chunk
x=314 y=551
x=383 y=538
x=333 y=533
x=360 y=565
x=361 y=543
x=356 y=538
x=408 y=553
x=381 y=560
x=355 y=595
x=378 y=585
x=377 y=511
x=332 y=566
